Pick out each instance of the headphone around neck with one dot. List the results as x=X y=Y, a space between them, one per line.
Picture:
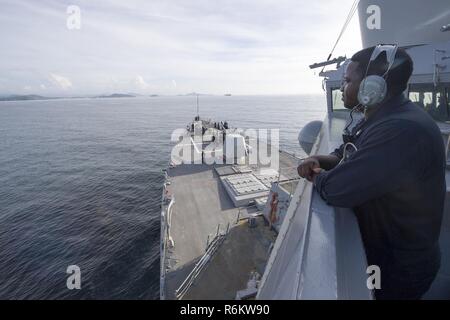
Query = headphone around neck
x=373 y=88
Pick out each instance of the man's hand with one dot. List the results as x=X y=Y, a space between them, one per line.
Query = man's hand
x=309 y=168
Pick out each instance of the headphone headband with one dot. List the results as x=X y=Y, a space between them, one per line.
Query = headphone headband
x=390 y=49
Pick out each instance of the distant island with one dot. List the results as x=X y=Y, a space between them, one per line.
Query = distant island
x=194 y=94
x=28 y=97
x=117 y=95
x=16 y=97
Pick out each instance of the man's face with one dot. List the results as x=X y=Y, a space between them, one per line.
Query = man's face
x=350 y=85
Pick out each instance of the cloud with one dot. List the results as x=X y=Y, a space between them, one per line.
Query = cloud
x=264 y=46
x=140 y=83
x=60 y=81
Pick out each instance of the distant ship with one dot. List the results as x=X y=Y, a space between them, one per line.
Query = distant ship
x=227 y=94
x=235 y=231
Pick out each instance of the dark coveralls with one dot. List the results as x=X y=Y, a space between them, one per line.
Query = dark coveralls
x=395 y=183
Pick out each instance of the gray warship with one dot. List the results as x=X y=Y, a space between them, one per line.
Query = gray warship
x=241 y=230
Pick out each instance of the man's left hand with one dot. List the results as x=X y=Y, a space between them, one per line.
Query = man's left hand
x=317 y=171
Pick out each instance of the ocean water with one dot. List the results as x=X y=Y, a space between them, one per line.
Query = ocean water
x=81 y=183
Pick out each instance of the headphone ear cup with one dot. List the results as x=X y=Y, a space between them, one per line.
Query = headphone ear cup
x=372 y=91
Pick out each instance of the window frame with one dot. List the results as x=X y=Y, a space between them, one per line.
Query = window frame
x=442 y=88
x=343 y=108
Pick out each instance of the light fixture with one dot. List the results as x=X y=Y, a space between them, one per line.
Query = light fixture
x=445 y=28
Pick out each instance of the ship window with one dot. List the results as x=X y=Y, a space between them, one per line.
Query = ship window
x=337 y=103
x=422 y=98
x=434 y=100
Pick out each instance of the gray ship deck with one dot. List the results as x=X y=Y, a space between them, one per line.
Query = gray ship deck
x=201 y=205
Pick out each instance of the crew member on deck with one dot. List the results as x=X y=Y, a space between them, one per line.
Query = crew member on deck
x=393 y=174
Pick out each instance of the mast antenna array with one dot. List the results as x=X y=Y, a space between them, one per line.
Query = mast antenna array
x=197 y=106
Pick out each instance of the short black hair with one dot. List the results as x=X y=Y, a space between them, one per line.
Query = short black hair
x=397 y=77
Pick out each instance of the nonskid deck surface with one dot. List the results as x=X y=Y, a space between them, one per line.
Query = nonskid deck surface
x=202 y=208
x=244 y=250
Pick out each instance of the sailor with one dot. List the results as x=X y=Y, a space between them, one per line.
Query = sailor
x=394 y=175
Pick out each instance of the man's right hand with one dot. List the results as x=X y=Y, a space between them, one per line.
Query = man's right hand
x=306 y=168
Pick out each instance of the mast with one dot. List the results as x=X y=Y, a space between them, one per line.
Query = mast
x=198 y=116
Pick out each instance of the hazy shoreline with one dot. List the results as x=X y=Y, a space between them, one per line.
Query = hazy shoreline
x=32 y=97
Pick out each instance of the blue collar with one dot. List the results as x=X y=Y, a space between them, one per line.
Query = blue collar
x=389 y=106
x=384 y=109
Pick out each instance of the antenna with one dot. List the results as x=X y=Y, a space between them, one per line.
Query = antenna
x=197 y=105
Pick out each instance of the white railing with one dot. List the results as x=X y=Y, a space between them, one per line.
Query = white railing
x=211 y=249
x=165 y=234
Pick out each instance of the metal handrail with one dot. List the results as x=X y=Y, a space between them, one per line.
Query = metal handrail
x=164 y=216
x=199 y=266
x=169 y=221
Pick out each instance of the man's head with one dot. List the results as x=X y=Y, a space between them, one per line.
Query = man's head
x=396 y=79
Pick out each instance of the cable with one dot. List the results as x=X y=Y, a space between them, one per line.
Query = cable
x=344 y=152
x=344 y=27
x=347 y=21
x=355 y=108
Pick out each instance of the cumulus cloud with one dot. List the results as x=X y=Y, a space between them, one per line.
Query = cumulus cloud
x=62 y=82
x=140 y=83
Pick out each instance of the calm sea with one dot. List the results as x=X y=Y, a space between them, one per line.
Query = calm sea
x=81 y=181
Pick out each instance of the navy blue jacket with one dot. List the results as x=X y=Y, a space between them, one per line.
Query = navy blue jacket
x=395 y=182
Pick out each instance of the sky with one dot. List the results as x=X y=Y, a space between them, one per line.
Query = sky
x=169 y=47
